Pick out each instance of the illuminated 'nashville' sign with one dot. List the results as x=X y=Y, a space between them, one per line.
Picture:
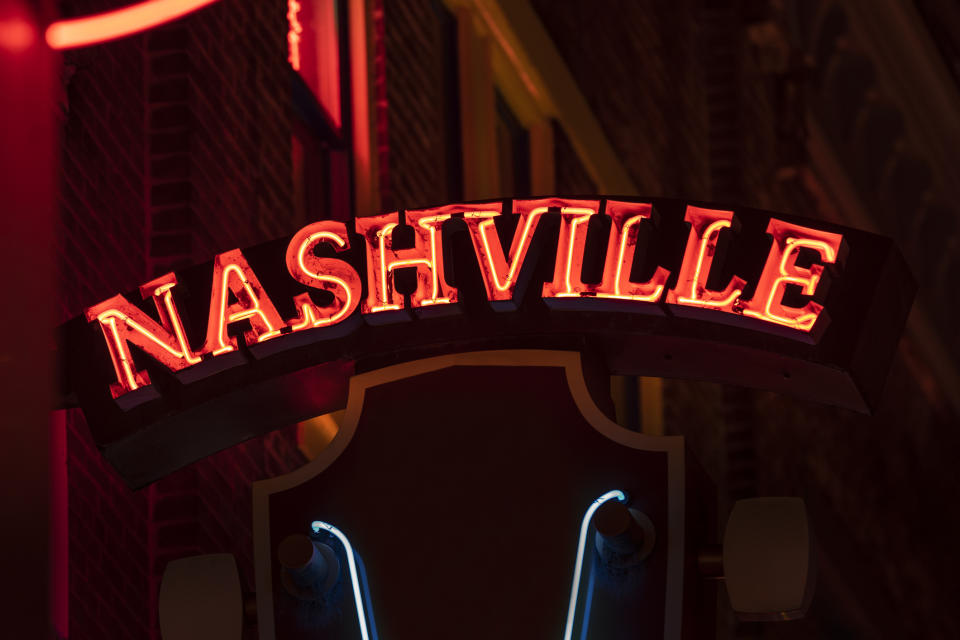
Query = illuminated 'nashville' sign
x=237 y=294
x=271 y=335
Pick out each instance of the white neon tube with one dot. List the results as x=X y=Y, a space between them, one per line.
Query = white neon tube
x=581 y=546
x=318 y=526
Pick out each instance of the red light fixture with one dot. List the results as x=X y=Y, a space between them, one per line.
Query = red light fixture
x=110 y=25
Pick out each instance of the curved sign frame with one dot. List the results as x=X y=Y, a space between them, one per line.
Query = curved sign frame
x=267 y=336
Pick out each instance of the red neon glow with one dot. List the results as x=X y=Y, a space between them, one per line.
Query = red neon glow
x=165 y=339
x=313 y=45
x=160 y=290
x=500 y=272
x=17 y=33
x=59 y=525
x=431 y=286
x=574 y=216
x=123 y=324
x=293 y=34
x=327 y=274
x=381 y=295
x=110 y=25
x=426 y=256
x=626 y=218
x=691 y=289
x=781 y=270
x=232 y=274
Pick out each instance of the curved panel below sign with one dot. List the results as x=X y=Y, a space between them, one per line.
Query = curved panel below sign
x=302 y=484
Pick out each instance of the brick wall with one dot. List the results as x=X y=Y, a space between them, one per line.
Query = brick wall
x=120 y=541
x=421 y=100
x=109 y=553
x=100 y=249
x=219 y=132
x=178 y=140
x=877 y=487
x=649 y=98
x=570 y=176
x=101 y=230
x=240 y=87
x=872 y=484
x=175 y=145
x=207 y=507
x=171 y=218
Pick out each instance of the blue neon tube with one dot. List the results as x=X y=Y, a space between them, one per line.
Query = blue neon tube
x=620 y=496
x=318 y=526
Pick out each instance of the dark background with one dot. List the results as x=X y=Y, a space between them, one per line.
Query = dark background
x=197 y=137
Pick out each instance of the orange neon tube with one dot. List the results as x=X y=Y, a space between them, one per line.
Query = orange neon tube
x=110 y=25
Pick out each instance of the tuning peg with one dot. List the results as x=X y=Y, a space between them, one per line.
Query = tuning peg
x=625 y=536
x=200 y=599
x=767 y=559
x=311 y=568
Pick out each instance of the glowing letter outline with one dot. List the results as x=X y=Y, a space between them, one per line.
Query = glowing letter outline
x=568 y=268
x=780 y=270
x=625 y=220
x=265 y=321
x=426 y=256
x=327 y=274
x=502 y=279
x=691 y=288
x=165 y=342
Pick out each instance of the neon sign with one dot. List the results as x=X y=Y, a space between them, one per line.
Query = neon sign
x=797 y=259
x=294 y=33
x=781 y=269
x=616 y=494
x=110 y=25
x=327 y=274
x=368 y=632
x=270 y=335
x=691 y=289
